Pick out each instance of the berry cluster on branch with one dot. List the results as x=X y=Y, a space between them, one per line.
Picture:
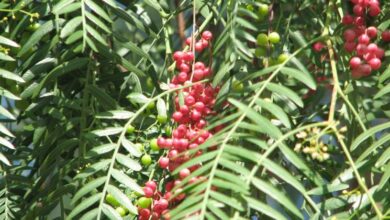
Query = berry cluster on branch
x=359 y=39
x=191 y=112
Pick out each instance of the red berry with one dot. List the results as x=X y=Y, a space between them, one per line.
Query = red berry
x=193 y=146
x=372 y=48
x=195 y=115
x=375 y=63
x=355 y=62
x=182 y=77
x=372 y=3
x=207 y=35
x=184 y=173
x=347 y=19
x=318 y=46
x=205 y=43
x=155 y=216
x=198 y=46
x=168 y=143
x=365 y=69
x=358 y=10
x=206 y=72
x=144 y=213
x=349 y=35
x=374 y=10
x=371 y=32
x=199 y=65
x=189 y=56
x=176 y=143
x=183 y=144
x=151 y=184
x=182 y=129
x=361 y=49
x=359 y=21
x=369 y=56
x=161 y=142
x=172 y=154
x=184 y=67
x=188 y=41
x=163 y=162
x=356 y=73
x=364 y=39
x=189 y=100
x=350 y=46
x=198 y=74
x=148 y=192
x=199 y=106
x=178 y=56
x=386 y=36
x=379 y=53
x=164 y=203
x=184 y=109
x=177 y=116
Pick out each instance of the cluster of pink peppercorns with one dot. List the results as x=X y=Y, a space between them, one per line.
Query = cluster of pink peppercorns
x=367 y=55
x=199 y=100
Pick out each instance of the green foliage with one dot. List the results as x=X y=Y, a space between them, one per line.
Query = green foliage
x=84 y=92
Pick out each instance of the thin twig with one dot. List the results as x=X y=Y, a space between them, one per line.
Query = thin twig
x=356 y=172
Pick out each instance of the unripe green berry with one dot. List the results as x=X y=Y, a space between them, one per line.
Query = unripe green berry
x=262 y=39
x=130 y=129
x=274 y=37
x=260 y=52
x=121 y=211
x=149 y=83
x=263 y=10
x=110 y=199
x=144 y=202
x=238 y=86
x=282 y=57
x=153 y=145
x=250 y=7
x=146 y=160
x=168 y=130
x=139 y=146
x=162 y=119
x=151 y=106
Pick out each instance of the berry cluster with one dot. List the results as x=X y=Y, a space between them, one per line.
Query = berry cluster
x=190 y=115
x=152 y=198
x=359 y=38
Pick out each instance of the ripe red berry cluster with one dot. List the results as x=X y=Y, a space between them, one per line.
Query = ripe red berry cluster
x=367 y=55
x=190 y=115
x=153 y=205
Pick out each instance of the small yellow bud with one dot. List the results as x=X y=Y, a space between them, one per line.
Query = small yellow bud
x=325 y=156
x=301 y=134
x=298 y=147
x=316 y=130
x=343 y=129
